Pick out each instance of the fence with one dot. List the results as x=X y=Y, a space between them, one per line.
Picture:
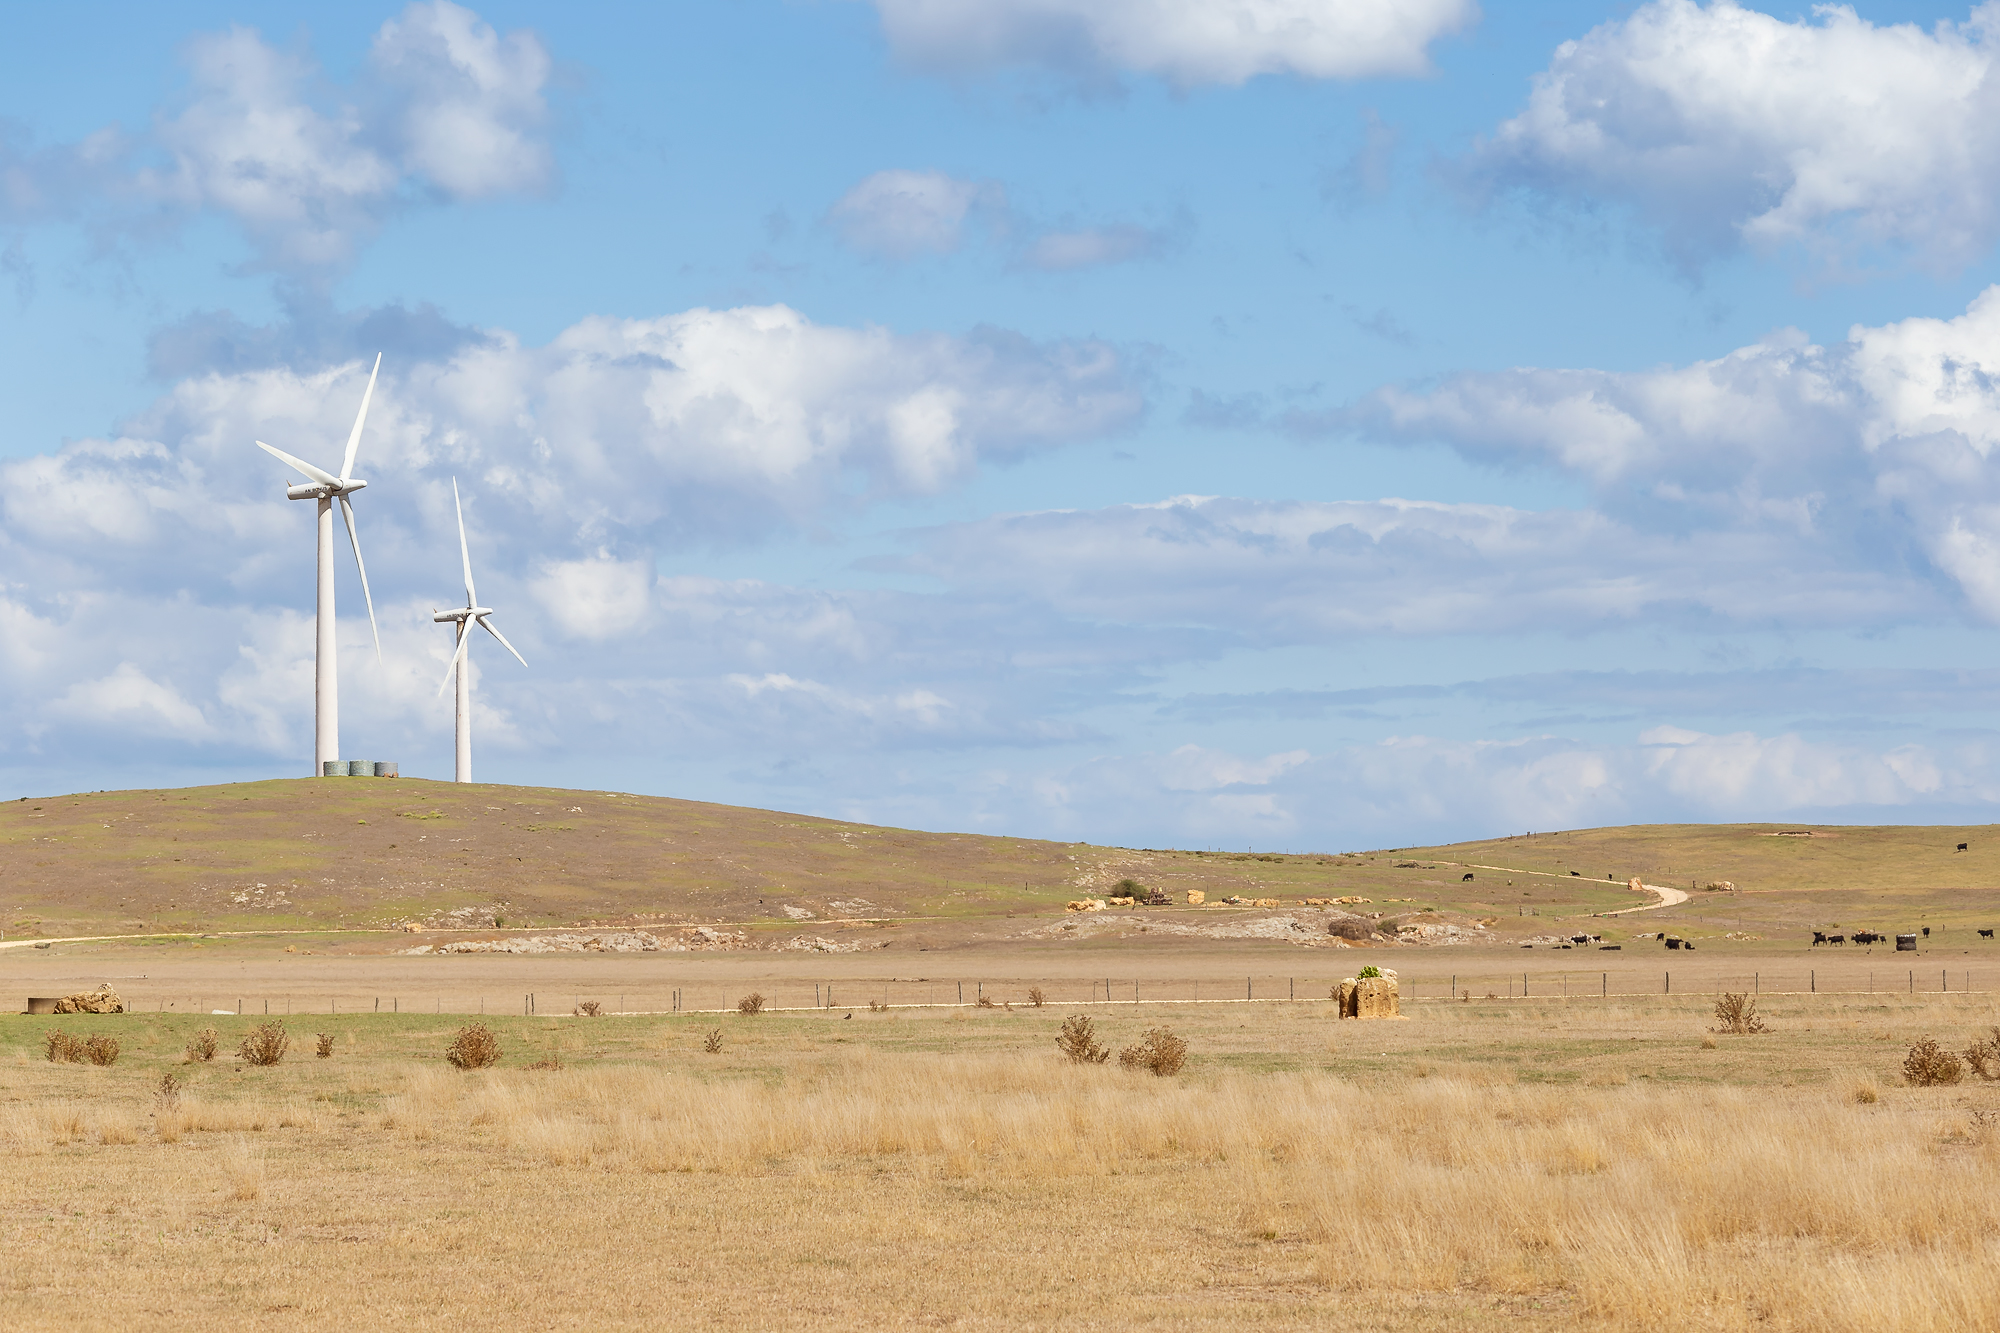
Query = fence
x=1072 y=992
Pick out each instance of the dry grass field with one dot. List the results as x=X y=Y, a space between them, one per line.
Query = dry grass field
x=1535 y=1164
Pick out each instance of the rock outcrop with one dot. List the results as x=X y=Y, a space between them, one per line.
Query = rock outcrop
x=103 y=1000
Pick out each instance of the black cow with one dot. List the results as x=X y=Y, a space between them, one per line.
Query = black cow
x=1961 y=846
x=1927 y=932
x=1865 y=937
x=1985 y=934
x=1467 y=879
x=1819 y=937
x=1673 y=942
x=1575 y=874
x=1836 y=939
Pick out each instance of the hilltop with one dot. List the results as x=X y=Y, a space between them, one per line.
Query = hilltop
x=359 y=853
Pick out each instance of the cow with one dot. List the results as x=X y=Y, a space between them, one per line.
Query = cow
x=1819 y=937
x=1467 y=878
x=1673 y=942
x=1985 y=934
x=1575 y=874
x=1865 y=937
x=1961 y=846
x=1927 y=932
x=1836 y=939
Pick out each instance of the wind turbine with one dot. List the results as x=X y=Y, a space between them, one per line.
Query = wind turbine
x=326 y=488
x=461 y=661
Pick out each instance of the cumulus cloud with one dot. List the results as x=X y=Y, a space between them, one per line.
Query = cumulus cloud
x=1723 y=126
x=447 y=107
x=1882 y=445
x=1187 y=42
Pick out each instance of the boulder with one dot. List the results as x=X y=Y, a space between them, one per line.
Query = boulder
x=1084 y=905
x=1375 y=997
x=103 y=1000
x=1343 y=997
x=1196 y=897
x=1634 y=885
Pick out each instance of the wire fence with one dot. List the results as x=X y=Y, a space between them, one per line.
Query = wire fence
x=711 y=996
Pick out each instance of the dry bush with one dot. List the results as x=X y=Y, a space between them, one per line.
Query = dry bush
x=475 y=1047
x=984 y=1002
x=167 y=1095
x=201 y=1046
x=878 y=1006
x=712 y=1043
x=61 y=1048
x=1036 y=997
x=1929 y=1065
x=1737 y=1014
x=753 y=1003
x=101 y=1049
x=1078 y=1041
x=589 y=1009
x=265 y=1044
x=1159 y=1052
x=323 y=1045
x=1984 y=1055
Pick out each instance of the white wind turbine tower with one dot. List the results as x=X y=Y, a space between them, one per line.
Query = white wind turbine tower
x=326 y=488
x=461 y=661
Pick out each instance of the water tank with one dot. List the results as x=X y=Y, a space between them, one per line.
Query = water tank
x=1906 y=944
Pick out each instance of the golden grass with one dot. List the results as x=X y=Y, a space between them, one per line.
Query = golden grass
x=797 y=1183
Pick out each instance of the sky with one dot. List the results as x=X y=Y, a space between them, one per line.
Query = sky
x=1277 y=424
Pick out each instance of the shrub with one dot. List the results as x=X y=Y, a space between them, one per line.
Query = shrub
x=1368 y=972
x=1035 y=996
x=323 y=1044
x=985 y=1002
x=265 y=1045
x=589 y=1009
x=753 y=1003
x=475 y=1047
x=878 y=1006
x=1129 y=888
x=1929 y=1064
x=1738 y=1014
x=712 y=1043
x=201 y=1046
x=61 y=1048
x=1159 y=1052
x=1984 y=1055
x=1078 y=1041
x=167 y=1095
x=101 y=1049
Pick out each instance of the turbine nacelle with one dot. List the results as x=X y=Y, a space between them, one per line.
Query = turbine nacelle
x=462 y=613
x=314 y=490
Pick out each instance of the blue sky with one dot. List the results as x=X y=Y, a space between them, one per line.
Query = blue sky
x=1275 y=423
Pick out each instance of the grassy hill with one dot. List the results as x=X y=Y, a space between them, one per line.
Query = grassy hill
x=304 y=853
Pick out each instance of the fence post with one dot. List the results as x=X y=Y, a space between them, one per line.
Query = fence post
x=1246 y=988
x=1670 y=984
x=1604 y=984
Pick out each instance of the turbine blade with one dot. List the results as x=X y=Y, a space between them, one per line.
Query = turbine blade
x=471 y=597
x=300 y=465
x=354 y=436
x=464 y=640
x=487 y=625
x=347 y=512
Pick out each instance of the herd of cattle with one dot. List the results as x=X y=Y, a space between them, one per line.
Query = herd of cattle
x=1872 y=936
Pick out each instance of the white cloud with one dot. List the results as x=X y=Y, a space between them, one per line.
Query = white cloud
x=1721 y=126
x=596 y=598
x=1884 y=442
x=447 y=106
x=471 y=110
x=1316 y=571
x=1062 y=250
x=1188 y=42
x=899 y=214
